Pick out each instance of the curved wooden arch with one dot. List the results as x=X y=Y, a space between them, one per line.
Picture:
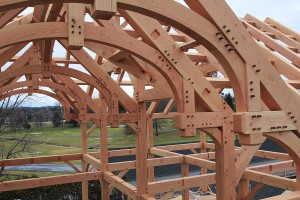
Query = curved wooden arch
x=203 y=32
x=94 y=34
x=12 y=4
x=212 y=34
x=289 y=142
x=44 y=92
x=206 y=29
x=55 y=70
x=52 y=85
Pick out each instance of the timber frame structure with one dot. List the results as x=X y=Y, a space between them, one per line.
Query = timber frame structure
x=175 y=49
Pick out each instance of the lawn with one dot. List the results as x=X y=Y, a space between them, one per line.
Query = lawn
x=66 y=140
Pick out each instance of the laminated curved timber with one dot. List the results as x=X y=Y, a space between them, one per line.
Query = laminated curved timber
x=169 y=52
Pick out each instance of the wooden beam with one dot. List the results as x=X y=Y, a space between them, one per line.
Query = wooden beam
x=181 y=183
x=73 y=166
x=46 y=181
x=152 y=32
x=283 y=29
x=120 y=175
x=198 y=120
x=8 y=16
x=275 y=167
x=286 y=52
x=266 y=121
x=89 y=63
x=92 y=160
x=268 y=179
x=90 y=131
x=277 y=34
x=151 y=162
x=104 y=9
x=76 y=26
x=179 y=146
x=119 y=183
x=288 y=196
x=272 y=155
x=141 y=151
x=40 y=160
x=163 y=153
x=203 y=163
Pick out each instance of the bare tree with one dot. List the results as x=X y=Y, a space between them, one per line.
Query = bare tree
x=14 y=136
x=7 y=111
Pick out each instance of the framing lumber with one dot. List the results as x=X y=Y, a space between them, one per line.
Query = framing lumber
x=162 y=51
x=267 y=179
x=46 y=181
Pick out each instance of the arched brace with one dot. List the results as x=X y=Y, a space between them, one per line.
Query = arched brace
x=44 y=92
x=44 y=84
x=100 y=35
x=232 y=61
x=56 y=70
x=215 y=134
x=12 y=4
x=203 y=31
x=39 y=91
x=289 y=141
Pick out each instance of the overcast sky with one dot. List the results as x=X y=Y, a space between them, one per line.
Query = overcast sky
x=286 y=12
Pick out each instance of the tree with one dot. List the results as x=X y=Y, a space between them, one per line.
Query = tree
x=128 y=130
x=57 y=119
x=158 y=124
x=73 y=123
x=14 y=139
x=230 y=101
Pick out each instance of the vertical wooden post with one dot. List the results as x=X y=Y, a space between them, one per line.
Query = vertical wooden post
x=298 y=176
x=141 y=140
x=83 y=128
x=225 y=158
x=185 y=173
x=253 y=104
x=103 y=148
x=141 y=151
x=150 y=144
x=188 y=107
x=114 y=109
x=203 y=150
x=76 y=25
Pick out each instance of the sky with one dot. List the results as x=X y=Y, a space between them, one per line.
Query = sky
x=286 y=12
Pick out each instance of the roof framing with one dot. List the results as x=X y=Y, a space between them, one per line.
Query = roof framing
x=175 y=50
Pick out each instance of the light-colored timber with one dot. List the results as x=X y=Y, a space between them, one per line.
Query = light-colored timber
x=175 y=50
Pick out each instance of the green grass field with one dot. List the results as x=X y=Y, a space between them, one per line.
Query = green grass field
x=65 y=140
